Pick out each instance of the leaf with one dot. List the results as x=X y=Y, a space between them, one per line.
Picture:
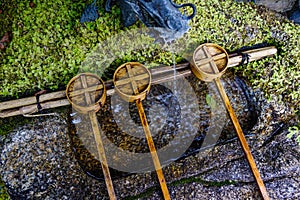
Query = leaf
x=211 y=101
x=298 y=140
x=292 y=131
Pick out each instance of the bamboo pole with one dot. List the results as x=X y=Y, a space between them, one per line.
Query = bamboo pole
x=132 y=82
x=84 y=80
x=102 y=156
x=31 y=100
x=255 y=54
x=242 y=140
x=161 y=74
x=29 y=109
x=153 y=152
x=238 y=130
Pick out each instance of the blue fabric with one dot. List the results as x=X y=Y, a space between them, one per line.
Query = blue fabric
x=90 y=13
x=163 y=16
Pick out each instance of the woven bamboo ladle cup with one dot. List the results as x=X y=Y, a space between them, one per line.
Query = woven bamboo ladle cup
x=132 y=83
x=209 y=63
x=87 y=93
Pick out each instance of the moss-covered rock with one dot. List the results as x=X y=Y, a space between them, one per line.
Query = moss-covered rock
x=49 y=44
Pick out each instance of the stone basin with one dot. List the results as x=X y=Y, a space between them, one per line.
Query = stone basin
x=41 y=161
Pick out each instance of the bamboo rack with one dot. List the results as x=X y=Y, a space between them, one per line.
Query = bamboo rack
x=28 y=106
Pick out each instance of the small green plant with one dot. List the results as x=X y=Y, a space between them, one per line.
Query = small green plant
x=211 y=101
x=294 y=131
x=49 y=44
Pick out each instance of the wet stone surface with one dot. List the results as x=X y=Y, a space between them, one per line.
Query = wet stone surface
x=39 y=161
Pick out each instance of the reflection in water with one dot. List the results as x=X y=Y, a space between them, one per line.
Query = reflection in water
x=73 y=114
x=76 y=120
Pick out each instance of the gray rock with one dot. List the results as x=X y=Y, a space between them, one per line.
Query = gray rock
x=277 y=5
x=37 y=163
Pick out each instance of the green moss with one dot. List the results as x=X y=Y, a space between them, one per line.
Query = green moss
x=49 y=45
x=8 y=9
x=205 y=183
x=3 y=193
x=10 y=123
x=181 y=182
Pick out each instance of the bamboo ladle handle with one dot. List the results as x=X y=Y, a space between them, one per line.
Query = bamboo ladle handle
x=87 y=93
x=153 y=151
x=240 y=134
x=242 y=140
x=132 y=82
x=208 y=58
x=101 y=152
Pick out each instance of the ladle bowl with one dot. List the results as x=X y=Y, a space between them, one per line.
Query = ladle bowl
x=132 y=81
x=86 y=92
x=204 y=57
